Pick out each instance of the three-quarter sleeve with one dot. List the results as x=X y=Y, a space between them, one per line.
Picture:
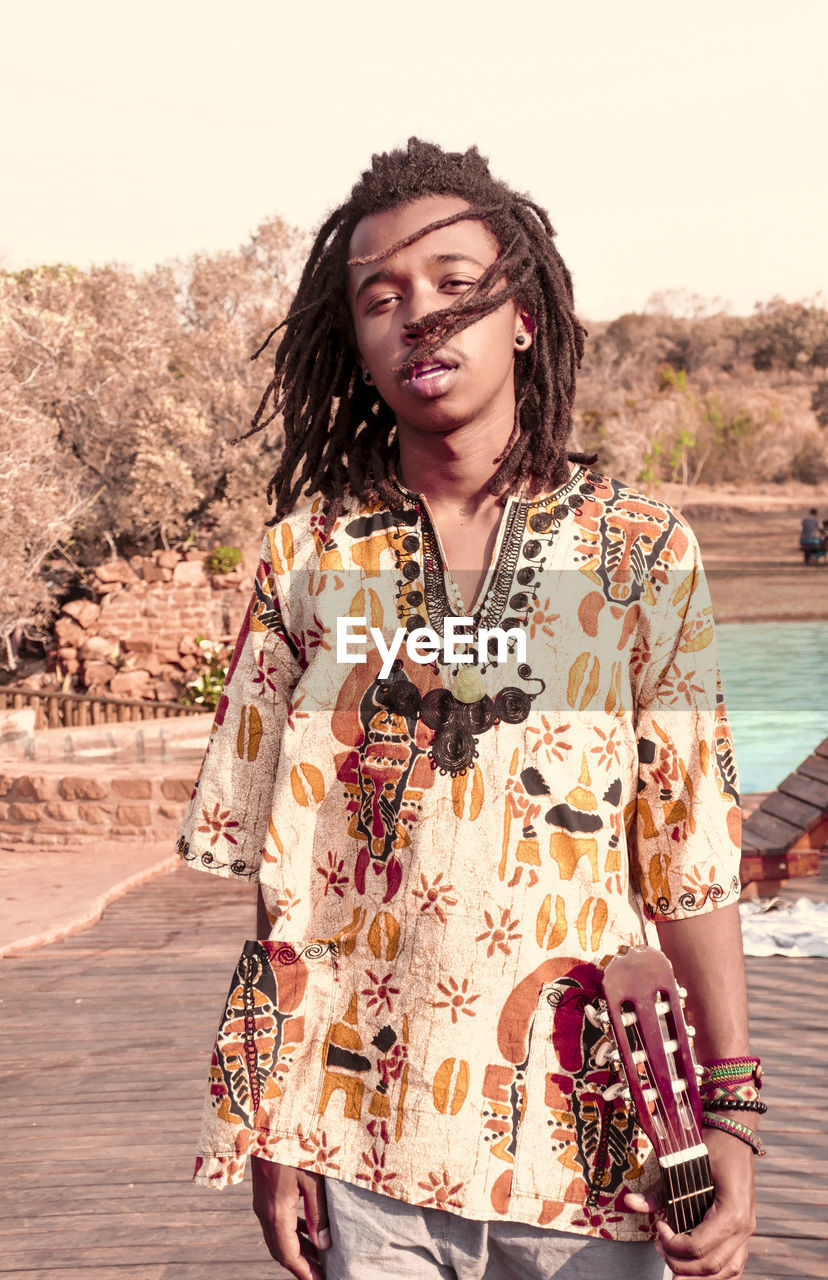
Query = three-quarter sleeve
x=685 y=839
x=226 y=821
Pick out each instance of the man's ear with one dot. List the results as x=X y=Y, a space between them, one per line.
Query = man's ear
x=363 y=368
x=524 y=327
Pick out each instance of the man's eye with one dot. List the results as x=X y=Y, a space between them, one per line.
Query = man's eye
x=458 y=284
x=377 y=304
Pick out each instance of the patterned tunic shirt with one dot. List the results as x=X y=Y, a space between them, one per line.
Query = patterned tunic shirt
x=451 y=850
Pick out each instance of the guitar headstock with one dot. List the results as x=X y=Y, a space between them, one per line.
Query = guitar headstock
x=643 y=1010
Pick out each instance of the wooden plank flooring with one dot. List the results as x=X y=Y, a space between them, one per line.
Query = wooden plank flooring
x=105 y=1040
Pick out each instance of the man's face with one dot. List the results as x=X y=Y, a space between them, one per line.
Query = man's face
x=471 y=376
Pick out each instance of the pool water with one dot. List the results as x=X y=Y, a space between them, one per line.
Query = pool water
x=775 y=678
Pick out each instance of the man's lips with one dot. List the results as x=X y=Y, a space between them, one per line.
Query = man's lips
x=430 y=379
x=429 y=369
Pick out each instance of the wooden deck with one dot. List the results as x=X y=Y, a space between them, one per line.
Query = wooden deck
x=106 y=1036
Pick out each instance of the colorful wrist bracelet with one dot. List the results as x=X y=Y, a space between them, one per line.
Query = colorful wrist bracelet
x=714 y=1121
x=713 y=1093
x=728 y=1086
x=733 y=1070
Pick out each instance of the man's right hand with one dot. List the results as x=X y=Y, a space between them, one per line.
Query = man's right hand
x=277 y=1190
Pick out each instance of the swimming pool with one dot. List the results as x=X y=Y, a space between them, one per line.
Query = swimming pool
x=775 y=678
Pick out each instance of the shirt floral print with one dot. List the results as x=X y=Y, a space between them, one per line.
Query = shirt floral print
x=450 y=852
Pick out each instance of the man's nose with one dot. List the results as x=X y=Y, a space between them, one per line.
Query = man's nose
x=413 y=332
x=422 y=302
x=417 y=330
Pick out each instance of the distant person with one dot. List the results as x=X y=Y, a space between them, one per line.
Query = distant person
x=812 y=537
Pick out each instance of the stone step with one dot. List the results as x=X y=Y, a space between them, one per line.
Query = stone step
x=142 y=742
x=54 y=807
x=45 y=835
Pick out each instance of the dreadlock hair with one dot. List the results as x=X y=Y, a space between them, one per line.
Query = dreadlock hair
x=337 y=429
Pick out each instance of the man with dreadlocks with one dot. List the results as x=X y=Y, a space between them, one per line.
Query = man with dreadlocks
x=470 y=743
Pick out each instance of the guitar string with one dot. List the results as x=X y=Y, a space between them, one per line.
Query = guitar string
x=689 y=1174
x=700 y=1166
x=675 y=1175
x=687 y=1181
x=688 y=1171
x=630 y=1035
x=695 y=1168
x=669 y=1172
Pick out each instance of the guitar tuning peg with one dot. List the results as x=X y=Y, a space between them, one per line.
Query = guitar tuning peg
x=691 y=1031
x=682 y=993
x=605 y=1053
x=603 y=1017
x=602 y=1053
x=592 y=1015
x=699 y=1070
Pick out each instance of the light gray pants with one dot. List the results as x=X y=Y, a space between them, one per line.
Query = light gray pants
x=376 y=1238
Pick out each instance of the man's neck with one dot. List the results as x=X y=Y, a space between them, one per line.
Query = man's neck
x=452 y=469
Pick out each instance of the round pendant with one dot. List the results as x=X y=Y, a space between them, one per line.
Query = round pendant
x=468 y=685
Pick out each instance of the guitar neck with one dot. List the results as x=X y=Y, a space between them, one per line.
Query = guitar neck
x=655 y=1054
x=688 y=1188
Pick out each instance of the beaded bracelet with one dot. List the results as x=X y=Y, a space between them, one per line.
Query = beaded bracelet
x=734 y=1104
x=713 y=1121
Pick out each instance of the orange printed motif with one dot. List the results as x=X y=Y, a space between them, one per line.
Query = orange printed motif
x=250 y=734
x=591 y=923
x=366 y=604
x=367 y=554
x=384 y=936
x=282 y=563
x=307 y=784
x=470 y=783
x=551 y=938
x=583 y=680
x=451 y=1085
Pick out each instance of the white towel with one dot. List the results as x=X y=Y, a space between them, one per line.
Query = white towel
x=772 y=928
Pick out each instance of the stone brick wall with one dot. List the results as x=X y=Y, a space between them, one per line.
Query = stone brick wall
x=56 y=808
x=136 y=636
x=127 y=783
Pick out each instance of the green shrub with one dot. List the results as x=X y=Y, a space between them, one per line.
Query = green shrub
x=222 y=559
x=207 y=681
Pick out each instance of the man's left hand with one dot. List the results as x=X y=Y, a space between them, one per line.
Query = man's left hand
x=717 y=1248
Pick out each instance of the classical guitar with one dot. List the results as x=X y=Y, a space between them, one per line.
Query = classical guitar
x=653 y=1050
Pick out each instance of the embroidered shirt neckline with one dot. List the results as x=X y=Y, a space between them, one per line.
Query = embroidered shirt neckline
x=442 y=597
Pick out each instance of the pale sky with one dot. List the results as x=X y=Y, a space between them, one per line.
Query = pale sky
x=675 y=146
